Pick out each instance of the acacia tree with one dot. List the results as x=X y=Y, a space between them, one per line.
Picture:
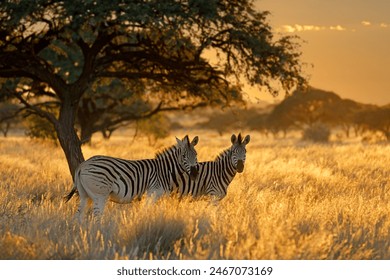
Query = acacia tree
x=375 y=119
x=66 y=46
x=114 y=103
x=8 y=117
x=305 y=108
x=108 y=104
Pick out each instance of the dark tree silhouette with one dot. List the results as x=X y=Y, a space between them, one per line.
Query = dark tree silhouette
x=375 y=119
x=305 y=108
x=54 y=51
x=8 y=117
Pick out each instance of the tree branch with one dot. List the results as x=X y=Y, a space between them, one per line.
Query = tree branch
x=44 y=114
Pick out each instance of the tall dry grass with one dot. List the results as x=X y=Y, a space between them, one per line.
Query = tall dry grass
x=295 y=200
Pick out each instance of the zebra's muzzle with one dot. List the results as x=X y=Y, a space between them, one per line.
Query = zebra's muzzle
x=193 y=172
x=240 y=166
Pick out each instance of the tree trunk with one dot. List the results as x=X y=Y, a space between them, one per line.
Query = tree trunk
x=346 y=129
x=387 y=134
x=67 y=136
x=87 y=120
x=86 y=132
x=107 y=133
x=5 y=129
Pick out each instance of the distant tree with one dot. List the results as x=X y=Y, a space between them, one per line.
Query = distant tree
x=54 y=51
x=155 y=127
x=318 y=132
x=220 y=121
x=344 y=115
x=8 y=117
x=305 y=108
x=375 y=119
x=107 y=105
x=40 y=128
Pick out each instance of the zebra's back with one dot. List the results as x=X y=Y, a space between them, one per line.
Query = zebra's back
x=121 y=180
x=103 y=178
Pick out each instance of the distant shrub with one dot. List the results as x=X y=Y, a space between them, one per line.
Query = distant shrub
x=40 y=128
x=156 y=127
x=318 y=132
x=8 y=117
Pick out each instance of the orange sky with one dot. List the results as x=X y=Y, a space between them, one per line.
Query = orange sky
x=347 y=41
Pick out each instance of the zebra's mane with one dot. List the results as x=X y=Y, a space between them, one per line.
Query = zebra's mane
x=164 y=151
x=222 y=154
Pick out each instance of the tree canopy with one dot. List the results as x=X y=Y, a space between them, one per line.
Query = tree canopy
x=53 y=53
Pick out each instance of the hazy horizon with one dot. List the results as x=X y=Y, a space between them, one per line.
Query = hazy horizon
x=346 y=41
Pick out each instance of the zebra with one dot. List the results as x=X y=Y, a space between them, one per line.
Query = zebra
x=103 y=178
x=214 y=177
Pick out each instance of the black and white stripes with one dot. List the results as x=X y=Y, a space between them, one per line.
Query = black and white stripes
x=174 y=170
x=215 y=176
x=103 y=178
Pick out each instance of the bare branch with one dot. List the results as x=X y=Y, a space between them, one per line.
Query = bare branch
x=42 y=113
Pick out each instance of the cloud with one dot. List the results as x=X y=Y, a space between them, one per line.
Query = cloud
x=288 y=28
x=366 y=23
x=337 y=28
x=301 y=28
x=293 y=28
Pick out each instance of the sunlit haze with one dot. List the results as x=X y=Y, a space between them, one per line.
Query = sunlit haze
x=347 y=42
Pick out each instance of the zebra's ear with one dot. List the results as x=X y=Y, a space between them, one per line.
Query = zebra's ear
x=246 y=140
x=195 y=141
x=233 y=139
x=179 y=142
x=239 y=138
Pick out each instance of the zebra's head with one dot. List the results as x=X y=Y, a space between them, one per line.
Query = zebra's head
x=238 y=151
x=188 y=157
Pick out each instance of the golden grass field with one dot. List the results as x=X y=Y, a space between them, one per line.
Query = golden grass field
x=294 y=200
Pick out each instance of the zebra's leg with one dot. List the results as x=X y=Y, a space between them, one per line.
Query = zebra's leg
x=81 y=210
x=154 y=193
x=98 y=207
x=82 y=205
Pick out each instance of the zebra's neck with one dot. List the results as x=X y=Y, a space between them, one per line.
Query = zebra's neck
x=223 y=173
x=225 y=163
x=170 y=158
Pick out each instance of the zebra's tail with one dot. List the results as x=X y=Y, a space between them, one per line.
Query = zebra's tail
x=70 y=195
x=74 y=188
